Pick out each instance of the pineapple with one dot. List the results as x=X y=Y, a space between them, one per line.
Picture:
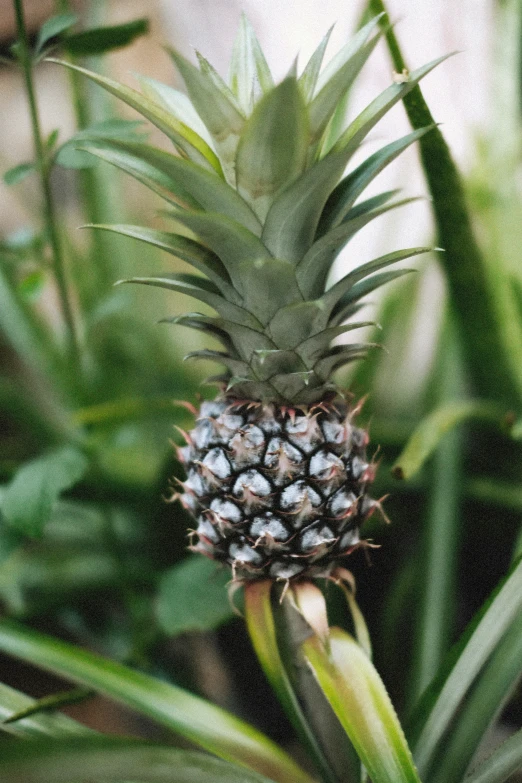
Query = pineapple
x=277 y=473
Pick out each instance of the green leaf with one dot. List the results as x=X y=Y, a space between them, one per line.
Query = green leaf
x=190 y=716
x=71 y=155
x=113 y=760
x=463 y=262
x=346 y=284
x=351 y=187
x=176 y=102
x=99 y=40
x=349 y=304
x=483 y=705
x=359 y=699
x=53 y=27
x=29 y=499
x=262 y=631
x=249 y=72
x=203 y=189
x=436 y=712
x=246 y=339
x=503 y=762
x=219 y=113
x=332 y=88
x=181 y=247
x=13 y=702
x=312 y=349
x=312 y=271
x=308 y=79
x=196 y=287
x=193 y=597
x=184 y=138
x=18 y=173
x=433 y=427
x=267 y=285
x=273 y=146
x=233 y=243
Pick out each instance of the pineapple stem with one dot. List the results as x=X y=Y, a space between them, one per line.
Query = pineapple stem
x=42 y=162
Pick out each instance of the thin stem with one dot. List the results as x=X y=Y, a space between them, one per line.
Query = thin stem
x=48 y=201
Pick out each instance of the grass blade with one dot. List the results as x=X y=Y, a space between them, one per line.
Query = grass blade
x=190 y=716
x=113 y=760
x=12 y=702
x=506 y=760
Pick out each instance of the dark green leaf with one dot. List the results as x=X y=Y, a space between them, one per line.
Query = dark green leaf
x=113 y=760
x=53 y=27
x=35 y=724
x=193 y=597
x=29 y=499
x=99 y=40
x=18 y=173
x=501 y=765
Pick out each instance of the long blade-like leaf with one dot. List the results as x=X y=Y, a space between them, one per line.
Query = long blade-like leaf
x=114 y=760
x=354 y=689
x=433 y=427
x=249 y=72
x=194 y=718
x=440 y=704
x=12 y=702
x=505 y=761
x=184 y=138
x=463 y=262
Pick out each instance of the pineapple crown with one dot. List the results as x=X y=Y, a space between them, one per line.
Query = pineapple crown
x=263 y=206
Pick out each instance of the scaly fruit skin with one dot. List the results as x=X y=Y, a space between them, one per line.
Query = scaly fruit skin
x=277 y=492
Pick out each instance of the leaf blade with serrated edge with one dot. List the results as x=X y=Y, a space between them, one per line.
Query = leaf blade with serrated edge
x=349 y=303
x=207 y=190
x=184 y=138
x=501 y=764
x=350 y=188
x=219 y=113
x=359 y=699
x=334 y=294
x=179 y=283
x=194 y=718
x=273 y=146
x=182 y=247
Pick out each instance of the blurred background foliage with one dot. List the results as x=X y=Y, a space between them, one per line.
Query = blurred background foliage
x=91 y=387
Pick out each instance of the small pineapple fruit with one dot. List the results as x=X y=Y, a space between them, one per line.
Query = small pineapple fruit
x=277 y=475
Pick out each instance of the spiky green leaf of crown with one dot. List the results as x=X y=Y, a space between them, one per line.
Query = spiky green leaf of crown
x=259 y=182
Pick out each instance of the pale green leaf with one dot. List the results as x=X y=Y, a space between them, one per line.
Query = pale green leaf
x=71 y=155
x=28 y=501
x=19 y=173
x=273 y=146
x=184 y=138
x=433 y=427
x=193 y=597
x=177 y=103
x=346 y=53
x=249 y=72
x=219 y=113
x=308 y=79
x=114 y=760
x=190 y=716
x=359 y=699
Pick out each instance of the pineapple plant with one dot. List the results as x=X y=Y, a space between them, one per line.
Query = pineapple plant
x=277 y=475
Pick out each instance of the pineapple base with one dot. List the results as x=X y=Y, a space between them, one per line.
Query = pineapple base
x=277 y=492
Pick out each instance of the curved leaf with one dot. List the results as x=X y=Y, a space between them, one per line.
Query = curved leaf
x=359 y=699
x=46 y=724
x=114 y=760
x=190 y=716
x=433 y=427
x=183 y=137
x=503 y=762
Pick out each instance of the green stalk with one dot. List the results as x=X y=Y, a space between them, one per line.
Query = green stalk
x=441 y=528
x=463 y=262
x=48 y=201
